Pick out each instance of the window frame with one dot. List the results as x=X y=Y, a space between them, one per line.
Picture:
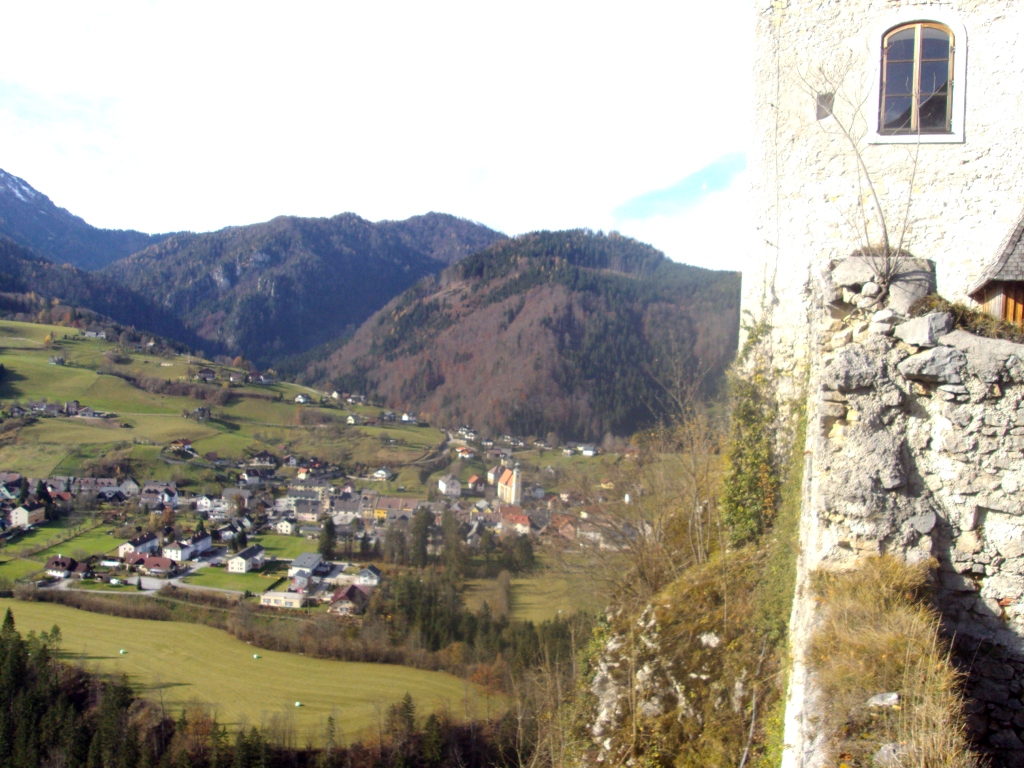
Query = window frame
x=917 y=64
x=957 y=99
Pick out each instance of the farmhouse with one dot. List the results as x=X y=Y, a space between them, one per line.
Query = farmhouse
x=514 y=521
x=263 y=459
x=158 y=494
x=159 y=566
x=230 y=494
x=60 y=567
x=28 y=514
x=201 y=541
x=303 y=399
x=146 y=542
x=449 y=485
x=256 y=476
x=248 y=559
x=178 y=551
x=348 y=601
x=475 y=484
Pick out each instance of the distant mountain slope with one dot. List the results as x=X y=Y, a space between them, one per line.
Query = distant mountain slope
x=570 y=332
x=24 y=272
x=28 y=217
x=287 y=285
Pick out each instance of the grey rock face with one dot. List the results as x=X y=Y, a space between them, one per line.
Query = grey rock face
x=940 y=365
x=855 y=270
x=914 y=281
x=987 y=358
x=851 y=369
x=925 y=331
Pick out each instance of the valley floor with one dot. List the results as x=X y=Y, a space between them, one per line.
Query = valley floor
x=174 y=663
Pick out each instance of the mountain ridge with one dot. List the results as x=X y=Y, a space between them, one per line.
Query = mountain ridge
x=568 y=332
x=281 y=287
x=31 y=219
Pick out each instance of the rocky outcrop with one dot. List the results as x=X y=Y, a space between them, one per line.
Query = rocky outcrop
x=918 y=451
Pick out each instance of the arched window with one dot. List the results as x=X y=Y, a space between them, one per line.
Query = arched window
x=917 y=80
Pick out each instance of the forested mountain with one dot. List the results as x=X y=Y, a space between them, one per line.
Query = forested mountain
x=28 y=217
x=290 y=284
x=569 y=332
x=25 y=273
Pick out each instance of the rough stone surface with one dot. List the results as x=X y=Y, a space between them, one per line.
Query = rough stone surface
x=925 y=331
x=964 y=199
x=924 y=463
x=914 y=281
x=991 y=360
x=851 y=369
x=941 y=365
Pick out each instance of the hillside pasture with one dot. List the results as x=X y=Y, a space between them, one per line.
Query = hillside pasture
x=285 y=547
x=254 y=581
x=20 y=568
x=176 y=663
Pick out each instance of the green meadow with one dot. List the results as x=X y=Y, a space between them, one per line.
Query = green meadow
x=176 y=663
x=255 y=418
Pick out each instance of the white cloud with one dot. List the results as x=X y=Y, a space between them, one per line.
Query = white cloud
x=165 y=116
x=707 y=235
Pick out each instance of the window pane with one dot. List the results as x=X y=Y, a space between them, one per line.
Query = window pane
x=934 y=76
x=932 y=113
x=934 y=43
x=897 y=113
x=901 y=46
x=899 y=78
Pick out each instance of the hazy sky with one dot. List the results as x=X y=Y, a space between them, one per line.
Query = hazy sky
x=163 y=116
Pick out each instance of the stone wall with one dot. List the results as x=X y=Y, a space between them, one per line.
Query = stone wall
x=808 y=195
x=916 y=448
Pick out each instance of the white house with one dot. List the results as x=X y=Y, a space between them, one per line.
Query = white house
x=201 y=541
x=33 y=514
x=449 y=485
x=287 y=527
x=178 y=551
x=307 y=561
x=369 y=576
x=249 y=559
x=303 y=399
x=145 y=543
x=60 y=567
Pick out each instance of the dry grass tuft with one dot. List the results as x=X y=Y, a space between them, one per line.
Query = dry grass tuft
x=878 y=634
x=970 y=319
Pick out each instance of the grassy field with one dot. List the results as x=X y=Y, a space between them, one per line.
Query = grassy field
x=20 y=569
x=182 y=662
x=94 y=542
x=541 y=595
x=219 y=578
x=285 y=547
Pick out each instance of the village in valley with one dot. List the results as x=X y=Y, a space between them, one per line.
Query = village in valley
x=287 y=531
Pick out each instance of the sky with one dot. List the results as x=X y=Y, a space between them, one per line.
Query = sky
x=168 y=116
